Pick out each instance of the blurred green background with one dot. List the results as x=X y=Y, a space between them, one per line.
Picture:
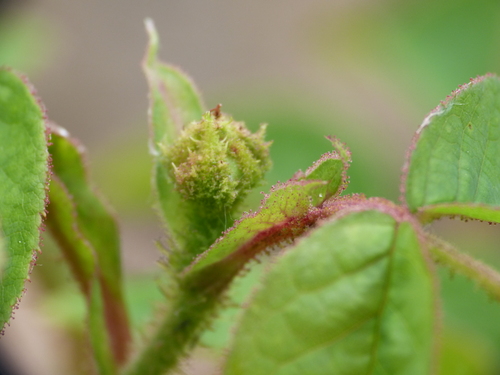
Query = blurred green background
x=365 y=71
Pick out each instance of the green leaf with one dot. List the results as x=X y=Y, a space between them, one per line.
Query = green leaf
x=62 y=223
x=23 y=175
x=353 y=297
x=95 y=221
x=476 y=356
x=78 y=252
x=279 y=209
x=325 y=170
x=286 y=212
x=88 y=236
x=3 y=255
x=98 y=327
x=174 y=100
x=453 y=169
x=173 y=103
x=332 y=168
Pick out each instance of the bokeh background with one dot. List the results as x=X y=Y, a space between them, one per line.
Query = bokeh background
x=367 y=71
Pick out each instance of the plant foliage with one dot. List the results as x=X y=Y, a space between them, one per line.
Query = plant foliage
x=351 y=287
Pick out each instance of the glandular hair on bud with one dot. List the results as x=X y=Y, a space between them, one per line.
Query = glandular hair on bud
x=216 y=161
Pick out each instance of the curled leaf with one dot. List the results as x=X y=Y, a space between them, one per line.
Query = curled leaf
x=286 y=212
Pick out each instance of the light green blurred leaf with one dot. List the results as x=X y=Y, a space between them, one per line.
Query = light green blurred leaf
x=469 y=308
x=23 y=174
x=26 y=41
x=353 y=297
x=476 y=356
x=88 y=235
x=174 y=100
x=63 y=224
x=98 y=328
x=96 y=223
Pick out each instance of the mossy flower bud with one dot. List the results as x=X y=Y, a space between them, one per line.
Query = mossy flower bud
x=216 y=161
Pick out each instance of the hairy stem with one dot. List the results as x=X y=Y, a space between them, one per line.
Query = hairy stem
x=201 y=291
x=199 y=295
x=485 y=277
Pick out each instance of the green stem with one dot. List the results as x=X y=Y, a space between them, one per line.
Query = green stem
x=201 y=292
x=485 y=277
x=98 y=332
x=199 y=295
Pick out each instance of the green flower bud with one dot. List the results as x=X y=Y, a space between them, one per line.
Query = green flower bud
x=216 y=161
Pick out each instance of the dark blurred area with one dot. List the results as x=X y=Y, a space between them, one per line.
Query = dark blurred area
x=366 y=71
x=4 y=5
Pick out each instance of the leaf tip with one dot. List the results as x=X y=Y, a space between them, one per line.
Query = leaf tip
x=345 y=156
x=152 y=49
x=341 y=148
